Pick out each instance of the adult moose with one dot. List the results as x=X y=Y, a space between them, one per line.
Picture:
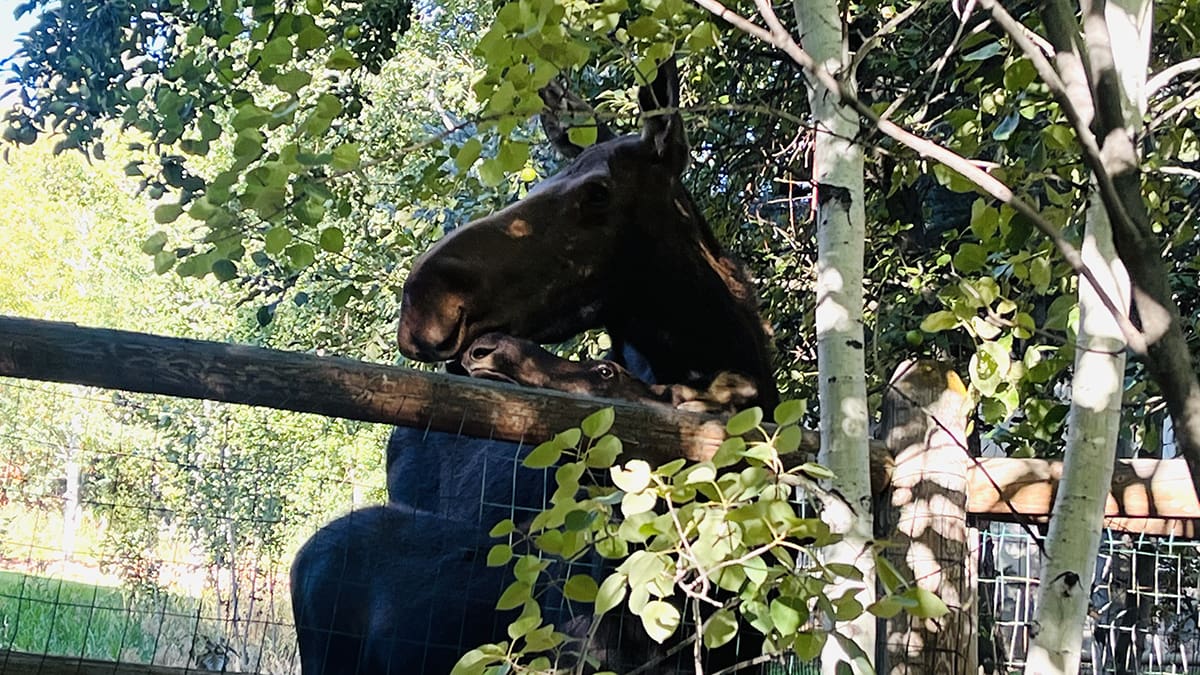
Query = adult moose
x=613 y=241
x=405 y=588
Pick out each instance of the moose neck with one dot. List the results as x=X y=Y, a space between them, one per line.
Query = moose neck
x=687 y=306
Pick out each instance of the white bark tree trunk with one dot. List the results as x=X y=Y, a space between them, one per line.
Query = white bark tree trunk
x=1095 y=416
x=841 y=230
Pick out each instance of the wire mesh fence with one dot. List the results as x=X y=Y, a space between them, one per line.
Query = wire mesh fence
x=140 y=529
x=148 y=530
x=1143 y=611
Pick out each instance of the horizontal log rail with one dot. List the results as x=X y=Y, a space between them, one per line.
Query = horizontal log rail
x=19 y=663
x=1152 y=496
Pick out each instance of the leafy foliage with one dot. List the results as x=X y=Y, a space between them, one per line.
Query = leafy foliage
x=722 y=535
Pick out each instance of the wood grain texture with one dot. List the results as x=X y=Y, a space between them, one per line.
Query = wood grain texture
x=18 y=663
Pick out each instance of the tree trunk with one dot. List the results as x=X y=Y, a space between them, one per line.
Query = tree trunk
x=1095 y=417
x=72 y=510
x=841 y=230
x=924 y=424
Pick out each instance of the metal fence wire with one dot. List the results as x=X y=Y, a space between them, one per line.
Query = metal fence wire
x=139 y=529
x=1143 y=612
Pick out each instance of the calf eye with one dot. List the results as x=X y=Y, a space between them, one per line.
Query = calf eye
x=606 y=371
x=596 y=195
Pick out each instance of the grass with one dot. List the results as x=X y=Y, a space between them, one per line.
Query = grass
x=52 y=616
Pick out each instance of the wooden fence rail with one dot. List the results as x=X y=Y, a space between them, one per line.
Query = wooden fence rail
x=1152 y=496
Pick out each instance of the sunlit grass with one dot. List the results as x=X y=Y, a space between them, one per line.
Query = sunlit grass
x=52 y=616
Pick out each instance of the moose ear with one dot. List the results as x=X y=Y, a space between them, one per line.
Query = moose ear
x=564 y=110
x=662 y=125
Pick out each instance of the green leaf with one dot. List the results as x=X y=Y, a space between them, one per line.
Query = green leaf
x=474 y=662
x=808 y=645
x=604 y=452
x=703 y=36
x=1059 y=314
x=983 y=53
x=927 y=605
x=888 y=575
x=544 y=455
x=491 y=173
x=816 y=471
x=276 y=238
x=790 y=412
x=517 y=593
x=1019 y=74
x=542 y=639
x=311 y=38
x=660 y=619
x=644 y=28
x=300 y=255
x=611 y=593
x=970 y=258
x=345 y=157
x=513 y=155
x=523 y=625
x=583 y=136
x=167 y=213
x=730 y=452
x=847 y=607
x=154 y=243
x=787 y=614
x=885 y=607
x=341 y=59
x=467 y=154
x=720 y=628
x=939 y=321
x=224 y=270
x=163 y=262
x=581 y=587
x=332 y=240
x=499 y=555
x=744 y=421
x=788 y=439
x=598 y=423
x=276 y=51
x=1039 y=273
x=569 y=438
x=309 y=211
x=503 y=528
x=292 y=81
x=845 y=570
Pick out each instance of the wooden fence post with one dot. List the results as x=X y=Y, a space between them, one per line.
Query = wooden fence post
x=924 y=515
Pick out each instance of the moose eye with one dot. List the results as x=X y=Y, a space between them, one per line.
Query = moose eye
x=606 y=371
x=595 y=195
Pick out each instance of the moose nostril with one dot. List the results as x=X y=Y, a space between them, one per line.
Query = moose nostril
x=482 y=352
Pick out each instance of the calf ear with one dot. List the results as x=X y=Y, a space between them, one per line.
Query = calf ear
x=662 y=125
x=564 y=110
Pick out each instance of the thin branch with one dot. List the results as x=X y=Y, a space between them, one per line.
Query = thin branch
x=886 y=29
x=1163 y=77
x=940 y=64
x=927 y=148
x=1178 y=171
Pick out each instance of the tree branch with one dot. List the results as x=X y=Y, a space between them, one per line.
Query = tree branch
x=927 y=148
x=1163 y=77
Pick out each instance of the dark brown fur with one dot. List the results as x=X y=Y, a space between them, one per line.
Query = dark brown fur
x=502 y=357
x=613 y=241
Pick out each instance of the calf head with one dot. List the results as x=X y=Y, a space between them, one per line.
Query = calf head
x=495 y=356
